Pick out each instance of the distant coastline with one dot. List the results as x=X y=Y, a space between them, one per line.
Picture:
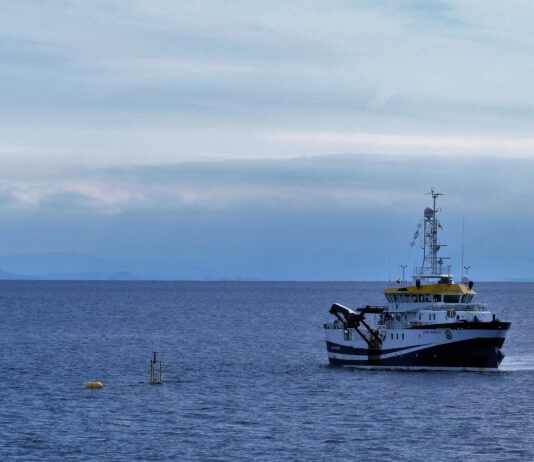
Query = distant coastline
x=73 y=266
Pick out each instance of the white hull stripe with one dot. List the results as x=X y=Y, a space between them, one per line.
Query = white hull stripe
x=425 y=368
x=384 y=355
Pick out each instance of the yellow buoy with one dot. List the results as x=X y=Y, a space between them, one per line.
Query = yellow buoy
x=94 y=385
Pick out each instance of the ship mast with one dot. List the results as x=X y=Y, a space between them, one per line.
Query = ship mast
x=432 y=264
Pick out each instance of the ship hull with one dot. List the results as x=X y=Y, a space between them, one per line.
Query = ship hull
x=470 y=350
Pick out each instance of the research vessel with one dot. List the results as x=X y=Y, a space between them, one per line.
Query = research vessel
x=430 y=323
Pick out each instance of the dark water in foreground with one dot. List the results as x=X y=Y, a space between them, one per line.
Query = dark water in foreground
x=246 y=378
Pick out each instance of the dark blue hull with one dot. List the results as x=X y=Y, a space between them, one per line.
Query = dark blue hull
x=478 y=353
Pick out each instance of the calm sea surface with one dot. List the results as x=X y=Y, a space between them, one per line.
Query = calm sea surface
x=246 y=378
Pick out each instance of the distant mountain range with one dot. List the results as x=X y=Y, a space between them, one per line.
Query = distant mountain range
x=77 y=266
x=5 y=276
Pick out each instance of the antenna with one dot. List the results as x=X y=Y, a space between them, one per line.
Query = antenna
x=432 y=235
x=432 y=263
x=463 y=239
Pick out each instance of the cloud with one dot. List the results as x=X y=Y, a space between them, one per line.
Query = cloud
x=349 y=183
x=412 y=144
x=171 y=82
x=329 y=217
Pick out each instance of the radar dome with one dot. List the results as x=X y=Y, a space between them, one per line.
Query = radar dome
x=429 y=213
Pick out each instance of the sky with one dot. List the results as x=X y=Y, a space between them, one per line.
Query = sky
x=267 y=140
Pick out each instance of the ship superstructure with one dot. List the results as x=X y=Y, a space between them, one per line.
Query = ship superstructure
x=430 y=323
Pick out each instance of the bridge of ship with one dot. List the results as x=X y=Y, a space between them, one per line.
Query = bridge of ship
x=439 y=296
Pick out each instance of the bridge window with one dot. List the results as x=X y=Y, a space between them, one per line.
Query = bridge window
x=447 y=298
x=437 y=298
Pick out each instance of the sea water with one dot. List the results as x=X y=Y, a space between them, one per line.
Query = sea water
x=246 y=377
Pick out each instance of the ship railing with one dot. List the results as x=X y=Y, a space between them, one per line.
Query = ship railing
x=339 y=325
x=458 y=306
x=428 y=272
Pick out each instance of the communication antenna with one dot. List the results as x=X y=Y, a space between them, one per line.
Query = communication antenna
x=431 y=261
x=463 y=240
x=403 y=269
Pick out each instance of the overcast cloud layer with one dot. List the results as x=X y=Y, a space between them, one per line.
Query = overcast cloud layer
x=167 y=81
x=267 y=140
